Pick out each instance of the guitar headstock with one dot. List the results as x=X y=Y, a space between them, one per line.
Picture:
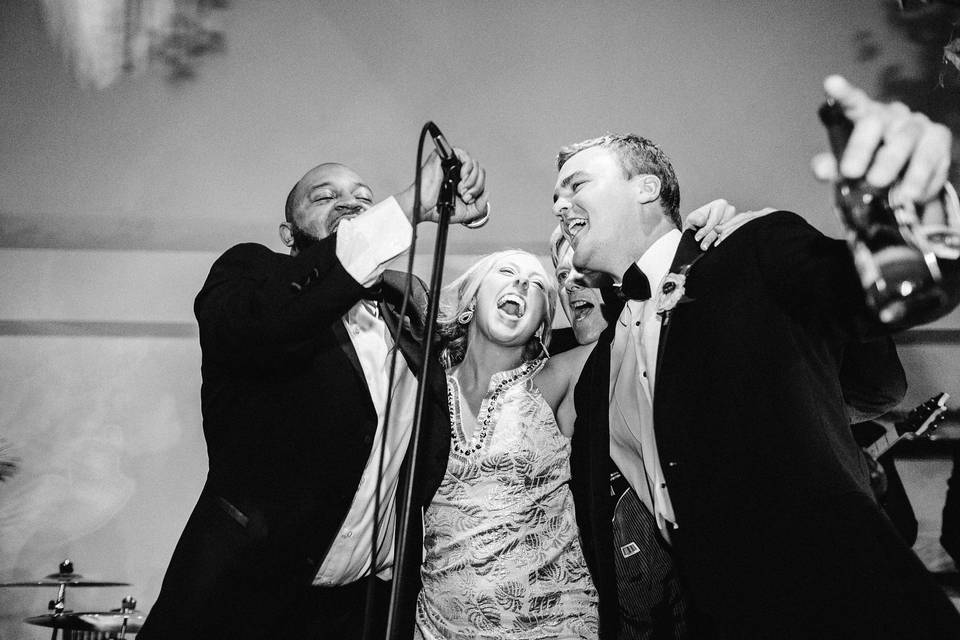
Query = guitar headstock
x=924 y=417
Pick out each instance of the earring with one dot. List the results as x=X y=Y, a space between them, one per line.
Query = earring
x=465 y=316
x=543 y=347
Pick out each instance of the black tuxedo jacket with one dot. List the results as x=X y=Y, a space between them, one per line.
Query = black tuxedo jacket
x=778 y=532
x=289 y=425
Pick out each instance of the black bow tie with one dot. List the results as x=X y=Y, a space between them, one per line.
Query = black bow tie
x=374 y=293
x=635 y=285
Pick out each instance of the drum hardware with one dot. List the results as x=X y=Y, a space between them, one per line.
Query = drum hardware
x=65 y=577
x=116 y=622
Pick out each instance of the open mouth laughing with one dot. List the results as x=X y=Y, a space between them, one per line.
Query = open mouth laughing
x=512 y=305
x=581 y=309
x=572 y=226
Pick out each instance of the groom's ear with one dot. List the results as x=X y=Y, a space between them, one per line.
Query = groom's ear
x=647 y=187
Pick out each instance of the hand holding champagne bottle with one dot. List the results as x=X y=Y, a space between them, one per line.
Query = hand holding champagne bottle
x=889 y=163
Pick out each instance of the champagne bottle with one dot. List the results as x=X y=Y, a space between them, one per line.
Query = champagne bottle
x=898 y=270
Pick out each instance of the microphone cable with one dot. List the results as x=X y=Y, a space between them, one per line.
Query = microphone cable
x=370 y=611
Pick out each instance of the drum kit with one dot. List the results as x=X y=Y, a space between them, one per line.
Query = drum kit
x=83 y=625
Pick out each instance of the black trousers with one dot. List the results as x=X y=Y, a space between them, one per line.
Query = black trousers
x=339 y=612
x=222 y=583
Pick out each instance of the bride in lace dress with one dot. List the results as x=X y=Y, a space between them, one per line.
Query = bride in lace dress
x=502 y=549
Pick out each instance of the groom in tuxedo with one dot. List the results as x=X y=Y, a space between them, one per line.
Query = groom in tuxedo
x=717 y=396
x=296 y=353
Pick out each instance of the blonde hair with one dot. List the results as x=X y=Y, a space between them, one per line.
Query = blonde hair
x=460 y=296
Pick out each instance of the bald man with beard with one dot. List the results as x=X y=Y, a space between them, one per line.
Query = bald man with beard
x=296 y=352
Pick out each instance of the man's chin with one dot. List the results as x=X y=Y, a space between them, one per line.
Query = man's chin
x=586 y=334
x=302 y=239
x=595 y=279
x=580 y=258
x=592 y=275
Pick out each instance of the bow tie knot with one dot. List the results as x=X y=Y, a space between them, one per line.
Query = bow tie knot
x=374 y=293
x=635 y=285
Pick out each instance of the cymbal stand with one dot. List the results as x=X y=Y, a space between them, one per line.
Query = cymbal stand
x=58 y=606
x=127 y=605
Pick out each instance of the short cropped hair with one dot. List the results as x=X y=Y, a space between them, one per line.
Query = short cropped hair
x=637 y=156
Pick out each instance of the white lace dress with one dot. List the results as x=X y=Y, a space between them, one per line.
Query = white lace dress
x=503 y=556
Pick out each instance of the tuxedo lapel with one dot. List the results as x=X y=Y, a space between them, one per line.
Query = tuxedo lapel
x=346 y=345
x=596 y=423
x=601 y=355
x=688 y=252
x=616 y=351
x=412 y=329
x=405 y=339
x=598 y=413
x=433 y=446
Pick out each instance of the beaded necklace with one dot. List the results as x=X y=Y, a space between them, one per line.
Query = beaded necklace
x=488 y=406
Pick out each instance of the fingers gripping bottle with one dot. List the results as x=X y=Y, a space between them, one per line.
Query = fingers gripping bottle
x=897 y=267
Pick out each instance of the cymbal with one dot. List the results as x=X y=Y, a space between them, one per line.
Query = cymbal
x=69 y=579
x=104 y=622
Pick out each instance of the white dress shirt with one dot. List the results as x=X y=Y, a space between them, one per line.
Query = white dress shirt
x=633 y=363
x=366 y=245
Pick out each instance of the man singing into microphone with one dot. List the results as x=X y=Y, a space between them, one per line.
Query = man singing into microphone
x=296 y=357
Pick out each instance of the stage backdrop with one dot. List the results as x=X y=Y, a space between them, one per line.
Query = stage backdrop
x=114 y=203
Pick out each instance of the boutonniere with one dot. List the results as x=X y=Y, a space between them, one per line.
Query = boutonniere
x=673 y=292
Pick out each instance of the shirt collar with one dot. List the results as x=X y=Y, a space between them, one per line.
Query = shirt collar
x=656 y=260
x=362 y=307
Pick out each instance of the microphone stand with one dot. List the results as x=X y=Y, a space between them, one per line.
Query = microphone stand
x=446 y=202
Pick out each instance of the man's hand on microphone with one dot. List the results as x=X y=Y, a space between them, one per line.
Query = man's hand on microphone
x=471 y=205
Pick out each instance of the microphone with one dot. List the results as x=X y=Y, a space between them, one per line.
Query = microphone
x=444 y=150
x=450 y=164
